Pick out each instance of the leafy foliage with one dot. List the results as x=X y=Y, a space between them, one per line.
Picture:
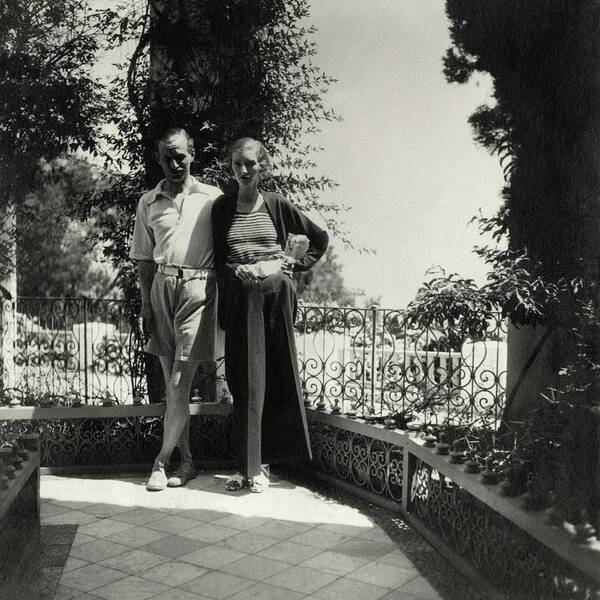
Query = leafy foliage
x=324 y=283
x=545 y=106
x=542 y=124
x=53 y=248
x=50 y=103
x=451 y=304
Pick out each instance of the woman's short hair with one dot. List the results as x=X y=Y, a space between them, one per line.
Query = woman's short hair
x=264 y=159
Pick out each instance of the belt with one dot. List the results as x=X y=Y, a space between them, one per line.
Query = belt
x=185 y=272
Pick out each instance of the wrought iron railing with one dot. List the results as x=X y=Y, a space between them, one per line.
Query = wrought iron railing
x=486 y=529
x=371 y=361
x=69 y=351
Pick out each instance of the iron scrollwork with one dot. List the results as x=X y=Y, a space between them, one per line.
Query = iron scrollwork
x=502 y=551
x=118 y=440
x=375 y=362
x=366 y=462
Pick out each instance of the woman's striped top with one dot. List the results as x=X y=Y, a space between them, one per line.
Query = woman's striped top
x=252 y=237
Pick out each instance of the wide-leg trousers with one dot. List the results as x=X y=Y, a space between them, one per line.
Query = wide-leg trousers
x=262 y=372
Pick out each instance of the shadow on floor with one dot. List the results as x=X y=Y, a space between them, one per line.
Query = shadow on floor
x=41 y=576
x=300 y=539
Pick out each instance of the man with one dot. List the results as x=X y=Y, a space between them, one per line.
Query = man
x=173 y=246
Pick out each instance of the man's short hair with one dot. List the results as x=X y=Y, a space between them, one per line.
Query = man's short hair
x=172 y=132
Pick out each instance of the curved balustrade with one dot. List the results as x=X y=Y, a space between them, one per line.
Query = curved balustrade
x=70 y=351
x=370 y=361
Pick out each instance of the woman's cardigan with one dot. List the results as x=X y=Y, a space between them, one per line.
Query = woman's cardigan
x=286 y=218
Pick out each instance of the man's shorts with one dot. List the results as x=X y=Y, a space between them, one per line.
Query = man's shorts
x=184 y=312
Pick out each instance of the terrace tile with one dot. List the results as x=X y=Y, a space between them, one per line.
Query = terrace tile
x=336 y=562
x=282 y=529
x=179 y=594
x=301 y=579
x=173 y=572
x=98 y=550
x=130 y=588
x=213 y=557
x=137 y=536
x=173 y=546
x=208 y=532
x=90 y=577
x=319 y=538
x=134 y=561
x=139 y=516
x=383 y=575
x=255 y=567
x=349 y=589
x=103 y=527
x=217 y=585
x=265 y=591
x=201 y=543
x=362 y=548
x=291 y=552
x=71 y=516
x=172 y=524
x=249 y=542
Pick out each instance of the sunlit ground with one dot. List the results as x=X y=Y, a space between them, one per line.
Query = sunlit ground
x=202 y=542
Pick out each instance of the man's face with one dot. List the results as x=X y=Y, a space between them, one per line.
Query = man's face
x=175 y=158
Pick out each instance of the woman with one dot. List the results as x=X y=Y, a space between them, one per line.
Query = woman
x=257 y=308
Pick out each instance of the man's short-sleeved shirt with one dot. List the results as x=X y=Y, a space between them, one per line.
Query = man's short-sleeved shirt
x=175 y=230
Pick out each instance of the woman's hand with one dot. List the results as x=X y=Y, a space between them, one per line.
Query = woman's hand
x=287 y=265
x=247 y=272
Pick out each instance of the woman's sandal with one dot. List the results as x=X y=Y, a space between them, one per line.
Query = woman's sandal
x=259 y=483
x=235 y=483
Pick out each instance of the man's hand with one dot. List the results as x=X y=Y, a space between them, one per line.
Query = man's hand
x=247 y=272
x=146 y=321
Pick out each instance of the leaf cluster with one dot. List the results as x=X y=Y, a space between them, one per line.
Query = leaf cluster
x=49 y=101
x=452 y=305
x=539 y=121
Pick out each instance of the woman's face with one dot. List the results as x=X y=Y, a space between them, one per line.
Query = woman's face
x=246 y=168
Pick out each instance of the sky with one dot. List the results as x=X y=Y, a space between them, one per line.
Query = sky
x=404 y=154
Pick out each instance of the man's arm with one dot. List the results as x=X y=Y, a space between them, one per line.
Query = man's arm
x=146 y=270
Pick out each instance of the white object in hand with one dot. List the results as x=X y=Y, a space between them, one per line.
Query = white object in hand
x=268 y=267
x=296 y=245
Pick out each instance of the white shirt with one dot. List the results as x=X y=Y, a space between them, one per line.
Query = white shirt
x=175 y=230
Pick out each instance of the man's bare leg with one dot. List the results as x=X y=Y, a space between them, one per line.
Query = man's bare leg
x=184 y=439
x=177 y=416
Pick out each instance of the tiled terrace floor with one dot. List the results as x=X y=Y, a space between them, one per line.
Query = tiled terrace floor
x=201 y=542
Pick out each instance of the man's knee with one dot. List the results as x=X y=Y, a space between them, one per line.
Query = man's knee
x=182 y=376
x=175 y=380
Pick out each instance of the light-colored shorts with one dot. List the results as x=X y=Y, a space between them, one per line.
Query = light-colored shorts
x=184 y=312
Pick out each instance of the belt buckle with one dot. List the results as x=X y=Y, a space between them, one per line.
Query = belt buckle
x=179 y=272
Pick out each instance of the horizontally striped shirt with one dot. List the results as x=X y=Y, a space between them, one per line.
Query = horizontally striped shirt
x=252 y=237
